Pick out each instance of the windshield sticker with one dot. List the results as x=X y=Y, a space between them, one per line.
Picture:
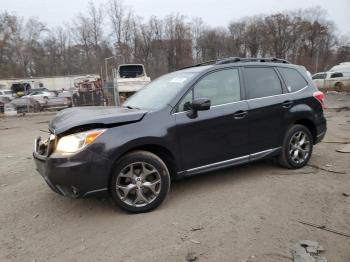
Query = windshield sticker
x=178 y=80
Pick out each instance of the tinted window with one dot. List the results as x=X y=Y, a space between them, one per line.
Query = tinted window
x=262 y=82
x=319 y=76
x=293 y=79
x=335 y=75
x=220 y=87
x=130 y=71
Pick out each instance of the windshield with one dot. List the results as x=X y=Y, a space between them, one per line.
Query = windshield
x=160 y=92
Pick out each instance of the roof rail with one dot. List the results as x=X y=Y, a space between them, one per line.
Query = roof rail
x=201 y=64
x=253 y=59
x=239 y=60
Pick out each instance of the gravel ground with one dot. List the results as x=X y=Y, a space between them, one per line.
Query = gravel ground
x=246 y=213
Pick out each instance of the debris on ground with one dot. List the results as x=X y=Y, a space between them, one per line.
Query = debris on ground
x=251 y=259
x=343 y=108
x=196 y=228
x=195 y=241
x=191 y=256
x=323 y=227
x=345 y=149
x=345 y=194
x=334 y=142
x=327 y=169
x=184 y=237
x=307 y=251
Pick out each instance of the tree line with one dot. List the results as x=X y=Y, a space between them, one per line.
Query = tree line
x=30 y=48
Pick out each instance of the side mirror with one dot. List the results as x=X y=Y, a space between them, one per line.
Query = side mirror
x=199 y=104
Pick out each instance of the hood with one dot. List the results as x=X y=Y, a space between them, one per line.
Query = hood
x=79 y=116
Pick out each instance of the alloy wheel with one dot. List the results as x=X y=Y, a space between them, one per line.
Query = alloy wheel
x=299 y=147
x=138 y=184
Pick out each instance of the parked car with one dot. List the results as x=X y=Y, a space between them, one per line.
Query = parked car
x=26 y=105
x=331 y=81
x=59 y=102
x=3 y=100
x=42 y=96
x=7 y=93
x=65 y=93
x=195 y=120
x=34 y=93
x=39 y=89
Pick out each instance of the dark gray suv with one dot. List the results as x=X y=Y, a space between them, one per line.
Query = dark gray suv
x=191 y=121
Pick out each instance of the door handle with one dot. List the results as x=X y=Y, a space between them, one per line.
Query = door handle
x=240 y=114
x=287 y=104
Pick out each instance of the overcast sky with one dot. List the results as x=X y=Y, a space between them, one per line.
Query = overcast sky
x=213 y=12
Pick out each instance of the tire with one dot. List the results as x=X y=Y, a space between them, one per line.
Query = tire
x=294 y=154
x=339 y=87
x=140 y=182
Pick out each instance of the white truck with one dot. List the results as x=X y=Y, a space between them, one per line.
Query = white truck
x=336 y=79
x=130 y=78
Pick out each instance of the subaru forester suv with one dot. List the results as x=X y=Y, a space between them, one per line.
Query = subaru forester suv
x=198 y=119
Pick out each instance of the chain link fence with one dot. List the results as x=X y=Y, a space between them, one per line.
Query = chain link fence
x=105 y=95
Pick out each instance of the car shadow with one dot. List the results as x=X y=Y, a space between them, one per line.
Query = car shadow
x=183 y=188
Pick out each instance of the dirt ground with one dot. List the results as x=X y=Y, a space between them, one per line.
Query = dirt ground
x=246 y=213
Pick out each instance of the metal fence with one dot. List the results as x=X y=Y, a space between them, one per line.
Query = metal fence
x=107 y=96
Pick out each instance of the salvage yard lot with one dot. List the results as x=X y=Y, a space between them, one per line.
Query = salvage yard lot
x=246 y=213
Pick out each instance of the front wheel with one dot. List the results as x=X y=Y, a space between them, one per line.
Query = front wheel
x=297 y=147
x=140 y=183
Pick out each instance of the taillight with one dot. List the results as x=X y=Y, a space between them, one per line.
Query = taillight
x=320 y=97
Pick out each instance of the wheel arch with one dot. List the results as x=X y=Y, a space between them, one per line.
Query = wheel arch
x=158 y=149
x=309 y=125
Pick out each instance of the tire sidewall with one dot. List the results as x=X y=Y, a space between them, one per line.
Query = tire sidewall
x=291 y=132
x=157 y=163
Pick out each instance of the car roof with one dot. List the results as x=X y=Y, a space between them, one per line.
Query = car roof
x=200 y=68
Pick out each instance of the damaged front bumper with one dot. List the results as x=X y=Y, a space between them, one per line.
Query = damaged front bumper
x=83 y=174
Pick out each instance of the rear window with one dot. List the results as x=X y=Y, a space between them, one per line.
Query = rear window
x=20 y=87
x=262 y=82
x=131 y=71
x=294 y=80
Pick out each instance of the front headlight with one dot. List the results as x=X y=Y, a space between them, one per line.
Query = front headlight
x=75 y=142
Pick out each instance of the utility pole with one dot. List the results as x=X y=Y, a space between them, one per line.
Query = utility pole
x=106 y=66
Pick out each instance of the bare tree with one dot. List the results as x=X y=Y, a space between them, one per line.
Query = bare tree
x=29 y=48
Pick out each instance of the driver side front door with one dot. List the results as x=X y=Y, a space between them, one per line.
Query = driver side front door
x=218 y=136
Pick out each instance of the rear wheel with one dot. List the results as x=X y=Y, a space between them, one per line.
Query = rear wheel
x=339 y=87
x=297 y=147
x=140 y=183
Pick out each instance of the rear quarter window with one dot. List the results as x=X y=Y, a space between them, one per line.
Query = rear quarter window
x=293 y=79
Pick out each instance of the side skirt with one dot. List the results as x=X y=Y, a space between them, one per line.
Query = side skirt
x=231 y=162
